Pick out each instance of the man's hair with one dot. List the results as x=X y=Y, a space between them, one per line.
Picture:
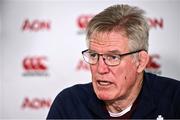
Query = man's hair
x=127 y=20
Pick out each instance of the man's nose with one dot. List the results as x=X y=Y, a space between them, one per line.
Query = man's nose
x=102 y=67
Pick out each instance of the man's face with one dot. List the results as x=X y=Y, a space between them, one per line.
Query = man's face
x=112 y=82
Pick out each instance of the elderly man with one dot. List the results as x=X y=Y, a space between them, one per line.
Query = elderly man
x=118 y=54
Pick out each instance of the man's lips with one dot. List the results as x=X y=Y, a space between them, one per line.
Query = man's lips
x=104 y=82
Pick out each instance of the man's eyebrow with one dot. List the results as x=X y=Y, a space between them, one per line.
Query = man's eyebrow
x=108 y=52
x=92 y=51
x=114 y=51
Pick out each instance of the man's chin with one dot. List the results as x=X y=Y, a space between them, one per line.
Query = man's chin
x=104 y=97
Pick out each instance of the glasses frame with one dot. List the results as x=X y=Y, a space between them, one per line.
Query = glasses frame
x=120 y=55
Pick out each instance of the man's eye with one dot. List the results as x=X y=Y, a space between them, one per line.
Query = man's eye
x=113 y=57
x=92 y=55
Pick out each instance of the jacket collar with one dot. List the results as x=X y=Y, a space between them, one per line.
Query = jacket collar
x=145 y=105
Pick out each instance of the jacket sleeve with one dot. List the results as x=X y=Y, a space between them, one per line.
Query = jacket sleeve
x=56 y=109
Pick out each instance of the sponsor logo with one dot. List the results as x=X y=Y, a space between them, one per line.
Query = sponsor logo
x=153 y=66
x=156 y=23
x=83 y=20
x=35 y=66
x=82 y=65
x=35 y=25
x=36 y=103
x=160 y=117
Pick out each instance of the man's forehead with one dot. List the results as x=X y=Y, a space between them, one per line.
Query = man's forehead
x=106 y=37
x=103 y=42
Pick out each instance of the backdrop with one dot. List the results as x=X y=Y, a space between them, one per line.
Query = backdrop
x=41 y=43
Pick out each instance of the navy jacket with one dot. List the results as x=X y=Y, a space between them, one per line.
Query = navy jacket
x=159 y=96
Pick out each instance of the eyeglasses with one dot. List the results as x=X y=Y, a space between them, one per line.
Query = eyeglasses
x=92 y=57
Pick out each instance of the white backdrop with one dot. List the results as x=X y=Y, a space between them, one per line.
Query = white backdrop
x=40 y=49
x=0 y=62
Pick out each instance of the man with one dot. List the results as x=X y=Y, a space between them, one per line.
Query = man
x=118 y=54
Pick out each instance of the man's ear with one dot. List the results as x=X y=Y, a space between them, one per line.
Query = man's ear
x=143 y=61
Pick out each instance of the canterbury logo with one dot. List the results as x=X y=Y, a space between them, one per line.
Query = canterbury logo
x=35 y=63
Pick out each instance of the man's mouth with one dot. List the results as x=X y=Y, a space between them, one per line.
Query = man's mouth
x=103 y=83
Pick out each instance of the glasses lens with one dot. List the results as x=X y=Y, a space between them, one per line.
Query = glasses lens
x=112 y=59
x=90 y=57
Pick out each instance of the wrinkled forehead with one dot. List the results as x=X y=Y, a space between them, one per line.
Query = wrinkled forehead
x=107 y=38
x=108 y=41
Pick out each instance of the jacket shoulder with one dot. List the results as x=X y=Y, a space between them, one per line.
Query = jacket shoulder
x=76 y=90
x=162 y=83
x=166 y=93
x=68 y=100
